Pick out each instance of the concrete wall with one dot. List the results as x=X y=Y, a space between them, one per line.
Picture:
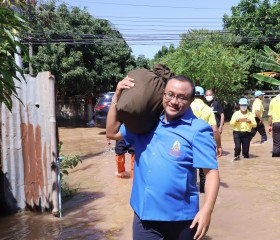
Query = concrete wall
x=70 y=108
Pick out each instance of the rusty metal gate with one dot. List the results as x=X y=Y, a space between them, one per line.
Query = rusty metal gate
x=29 y=147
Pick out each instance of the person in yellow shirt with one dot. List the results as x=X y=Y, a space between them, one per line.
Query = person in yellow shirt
x=203 y=111
x=274 y=124
x=257 y=110
x=242 y=121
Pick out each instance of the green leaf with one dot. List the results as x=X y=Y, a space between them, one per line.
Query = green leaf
x=270 y=52
x=11 y=25
x=268 y=66
x=266 y=79
x=267 y=59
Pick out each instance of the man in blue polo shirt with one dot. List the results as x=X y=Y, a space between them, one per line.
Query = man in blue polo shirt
x=164 y=195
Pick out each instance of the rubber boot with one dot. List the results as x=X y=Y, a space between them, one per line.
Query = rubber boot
x=132 y=166
x=120 y=160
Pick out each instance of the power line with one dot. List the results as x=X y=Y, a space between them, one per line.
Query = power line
x=161 y=21
x=143 y=41
x=155 y=18
x=158 y=30
x=151 y=6
x=183 y=18
x=158 y=25
x=37 y=37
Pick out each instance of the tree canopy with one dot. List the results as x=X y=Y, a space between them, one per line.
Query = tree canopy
x=257 y=24
x=164 y=51
x=212 y=62
x=142 y=62
x=256 y=21
x=86 y=55
x=226 y=60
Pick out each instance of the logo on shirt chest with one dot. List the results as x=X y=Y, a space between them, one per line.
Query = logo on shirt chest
x=176 y=149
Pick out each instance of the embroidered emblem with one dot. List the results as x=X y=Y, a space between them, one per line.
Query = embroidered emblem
x=176 y=149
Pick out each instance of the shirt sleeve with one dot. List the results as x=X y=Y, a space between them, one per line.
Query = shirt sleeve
x=270 y=109
x=257 y=106
x=233 y=119
x=204 y=148
x=253 y=120
x=212 y=119
x=127 y=135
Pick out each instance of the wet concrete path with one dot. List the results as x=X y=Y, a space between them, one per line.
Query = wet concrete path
x=248 y=205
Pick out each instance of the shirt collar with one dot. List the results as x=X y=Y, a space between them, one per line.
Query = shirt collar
x=187 y=118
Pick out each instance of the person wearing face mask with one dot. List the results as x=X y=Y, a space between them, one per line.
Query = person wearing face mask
x=242 y=121
x=216 y=107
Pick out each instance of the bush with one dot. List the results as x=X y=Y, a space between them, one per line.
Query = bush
x=67 y=161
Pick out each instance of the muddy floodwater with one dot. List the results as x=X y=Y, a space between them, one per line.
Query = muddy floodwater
x=248 y=205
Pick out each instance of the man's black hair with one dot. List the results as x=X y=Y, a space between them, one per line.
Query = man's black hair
x=184 y=79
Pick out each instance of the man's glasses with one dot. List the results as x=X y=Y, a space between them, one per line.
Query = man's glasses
x=180 y=98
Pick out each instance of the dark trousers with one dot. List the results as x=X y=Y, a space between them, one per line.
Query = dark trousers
x=121 y=148
x=162 y=230
x=260 y=128
x=276 y=139
x=241 y=139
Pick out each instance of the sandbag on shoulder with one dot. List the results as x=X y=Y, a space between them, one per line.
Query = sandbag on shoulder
x=139 y=107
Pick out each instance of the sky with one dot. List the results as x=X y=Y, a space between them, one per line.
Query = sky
x=148 y=25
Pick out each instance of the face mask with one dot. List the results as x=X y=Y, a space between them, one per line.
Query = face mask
x=209 y=98
x=243 y=108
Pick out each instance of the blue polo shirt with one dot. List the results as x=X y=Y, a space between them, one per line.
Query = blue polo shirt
x=164 y=185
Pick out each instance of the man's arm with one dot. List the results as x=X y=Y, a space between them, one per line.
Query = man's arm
x=258 y=115
x=270 y=124
x=222 y=121
x=113 y=124
x=217 y=138
x=270 y=111
x=203 y=217
x=220 y=110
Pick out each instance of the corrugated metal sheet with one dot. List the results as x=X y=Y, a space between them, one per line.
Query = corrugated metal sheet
x=29 y=146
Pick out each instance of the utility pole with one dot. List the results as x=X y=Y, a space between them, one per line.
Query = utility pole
x=30 y=47
x=17 y=56
x=30 y=53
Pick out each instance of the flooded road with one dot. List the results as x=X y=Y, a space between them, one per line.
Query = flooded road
x=248 y=205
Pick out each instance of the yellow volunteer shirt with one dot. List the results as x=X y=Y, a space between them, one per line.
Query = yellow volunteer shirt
x=274 y=109
x=243 y=126
x=257 y=105
x=203 y=111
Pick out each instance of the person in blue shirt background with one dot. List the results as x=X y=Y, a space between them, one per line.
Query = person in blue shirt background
x=164 y=196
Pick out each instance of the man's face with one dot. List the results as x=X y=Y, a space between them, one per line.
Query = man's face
x=209 y=93
x=176 y=99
